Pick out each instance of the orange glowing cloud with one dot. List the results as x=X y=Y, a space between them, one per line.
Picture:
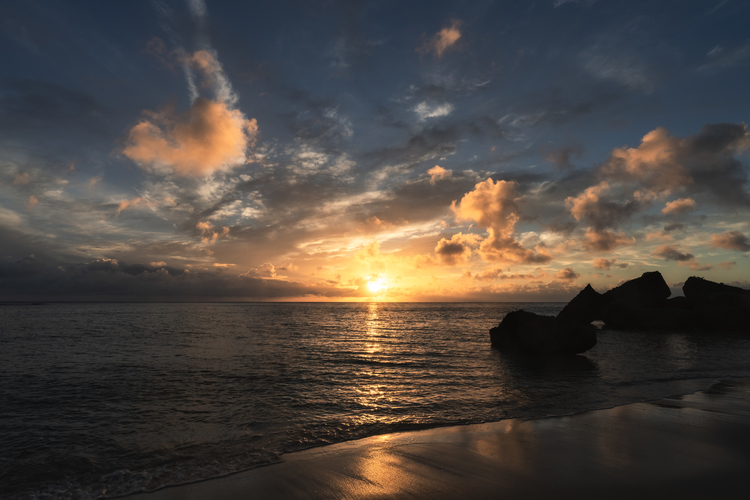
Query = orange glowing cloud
x=437 y=173
x=126 y=204
x=206 y=138
x=208 y=235
x=679 y=206
x=656 y=164
x=494 y=206
x=457 y=250
x=444 y=38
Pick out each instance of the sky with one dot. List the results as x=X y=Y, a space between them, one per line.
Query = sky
x=370 y=151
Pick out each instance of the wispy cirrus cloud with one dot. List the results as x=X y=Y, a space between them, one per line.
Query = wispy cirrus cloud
x=429 y=110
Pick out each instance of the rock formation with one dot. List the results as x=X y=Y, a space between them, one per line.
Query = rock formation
x=639 y=304
x=532 y=333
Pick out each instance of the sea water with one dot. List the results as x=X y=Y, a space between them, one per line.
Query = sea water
x=108 y=399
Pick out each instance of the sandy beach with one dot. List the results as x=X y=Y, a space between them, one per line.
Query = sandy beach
x=690 y=446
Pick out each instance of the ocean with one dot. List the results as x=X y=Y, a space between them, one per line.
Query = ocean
x=102 y=399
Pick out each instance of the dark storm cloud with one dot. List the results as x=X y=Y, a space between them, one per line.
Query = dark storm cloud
x=105 y=279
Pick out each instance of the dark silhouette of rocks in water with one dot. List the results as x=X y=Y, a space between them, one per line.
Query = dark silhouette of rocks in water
x=531 y=333
x=639 y=304
x=718 y=306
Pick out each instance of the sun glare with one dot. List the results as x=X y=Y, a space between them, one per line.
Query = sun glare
x=377 y=284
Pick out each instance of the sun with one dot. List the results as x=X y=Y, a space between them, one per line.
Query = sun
x=377 y=284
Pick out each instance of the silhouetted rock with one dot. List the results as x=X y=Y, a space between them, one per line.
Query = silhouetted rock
x=700 y=290
x=650 y=290
x=532 y=333
x=584 y=308
x=639 y=304
x=718 y=306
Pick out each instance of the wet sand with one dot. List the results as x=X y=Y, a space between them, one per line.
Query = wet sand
x=692 y=446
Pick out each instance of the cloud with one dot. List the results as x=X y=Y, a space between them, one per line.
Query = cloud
x=457 y=250
x=673 y=226
x=679 y=206
x=567 y=274
x=655 y=164
x=33 y=201
x=602 y=240
x=720 y=59
x=206 y=138
x=496 y=273
x=208 y=234
x=731 y=240
x=593 y=207
x=604 y=264
x=21 y=179
x=438 y=173
x=622 y=69
x=442 y=40
x=425 y=110
x=561 y=157
x=663 y=164
x=727 y=265
x=207 y=62
x=494 y=206
x=697 y=266
x=109 y=279
x=266 y=270
x=671 y=252
x=126 y=204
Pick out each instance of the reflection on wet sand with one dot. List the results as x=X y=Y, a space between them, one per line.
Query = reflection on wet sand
x=694 y=446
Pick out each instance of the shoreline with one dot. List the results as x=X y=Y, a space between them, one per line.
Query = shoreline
x=696 y=445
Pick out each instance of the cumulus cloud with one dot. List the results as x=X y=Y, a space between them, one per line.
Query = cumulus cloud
x=567 y=274
x=655 y=164
x=731 y=240
x=697 y=266
x=204 y=139
x=602 y=240
x=442 y=40
x=494 y=206
x=593 y=207
x=209 y=235
x=679 y=206
x=426 y=110
x=671 y=252
x=605 y=264
x=663 y=164
x=209 y=136
x=456 y=250
x=437 y=173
